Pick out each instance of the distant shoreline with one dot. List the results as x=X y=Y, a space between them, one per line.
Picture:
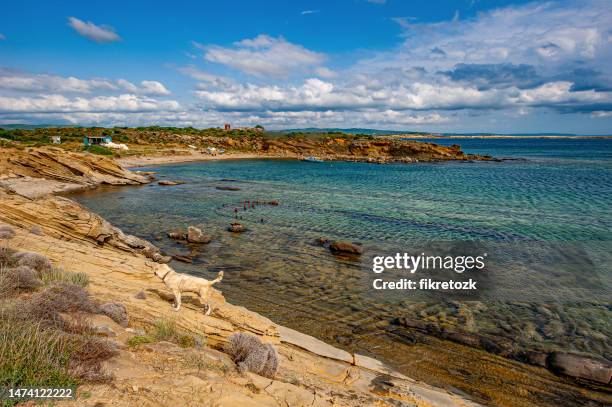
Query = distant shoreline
x=432 y=136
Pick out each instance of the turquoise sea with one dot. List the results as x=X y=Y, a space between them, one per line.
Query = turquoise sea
x=544 y=217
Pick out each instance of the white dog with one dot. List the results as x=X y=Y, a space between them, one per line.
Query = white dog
x=182 y=283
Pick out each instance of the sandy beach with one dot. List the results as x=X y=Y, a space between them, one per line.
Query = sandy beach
x=146 y=160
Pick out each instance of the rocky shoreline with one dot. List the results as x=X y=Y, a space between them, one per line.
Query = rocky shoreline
x=120 y=266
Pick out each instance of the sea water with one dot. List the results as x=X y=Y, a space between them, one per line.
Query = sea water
x=544 y=216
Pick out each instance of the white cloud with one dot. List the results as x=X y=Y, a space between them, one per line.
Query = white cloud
x=32 y=83
x=25 y=82
x=92 y=31
x=209 y=79
x=321 y=95
x=535 y=33
x=324 y=72
x=601 y=114
x=153 y=88
x=54 y=103
x=306 y=12
x=127 y=85
x=265 y=56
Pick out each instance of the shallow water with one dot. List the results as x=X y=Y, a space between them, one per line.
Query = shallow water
x=545 y=223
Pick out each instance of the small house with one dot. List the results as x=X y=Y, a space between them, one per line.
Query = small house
x=56 y=139
x=96 y=140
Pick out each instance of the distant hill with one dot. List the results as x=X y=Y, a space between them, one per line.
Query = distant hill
x=371 y=132
x=374 y=132
x=23 y=126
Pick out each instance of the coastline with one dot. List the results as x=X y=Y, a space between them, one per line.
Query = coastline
x=120 y=266
x=148 y=160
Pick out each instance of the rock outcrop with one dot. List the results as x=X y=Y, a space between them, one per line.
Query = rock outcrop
x=236 y=227
x=42 y=171
x=170 y=183
x=582 y=367
x=195 y=235
x=345 y=248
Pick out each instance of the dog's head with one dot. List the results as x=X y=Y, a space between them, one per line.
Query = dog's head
x=161 y=270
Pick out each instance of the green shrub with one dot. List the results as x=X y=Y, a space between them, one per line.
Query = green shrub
x=98 y=150
x=137 y=340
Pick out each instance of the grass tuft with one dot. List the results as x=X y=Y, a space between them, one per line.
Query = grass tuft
x=33 y=356
x=55 y=274
x=165 y=330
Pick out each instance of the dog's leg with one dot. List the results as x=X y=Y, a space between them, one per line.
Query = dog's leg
x=204 y=295
x=177 y=300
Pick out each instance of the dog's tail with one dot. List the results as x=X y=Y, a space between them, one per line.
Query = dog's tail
x=218 y=278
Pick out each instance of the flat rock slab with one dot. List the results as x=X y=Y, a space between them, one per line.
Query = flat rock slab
x=313 y=345
x=377 y=366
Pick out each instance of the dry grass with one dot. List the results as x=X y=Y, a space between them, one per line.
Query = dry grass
x=250 y=354
x=33 y=356
x=6 y=232
x=86 y=356
x=17 y=279
x=7 y=257
x=37 y=346
x=165 y=330
x=60 y=297
x=34 y=261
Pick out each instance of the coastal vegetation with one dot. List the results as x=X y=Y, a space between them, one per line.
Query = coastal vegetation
x=155 y=140
x=39 y=347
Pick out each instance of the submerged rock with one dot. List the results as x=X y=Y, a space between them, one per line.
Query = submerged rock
x=346 y=248
x=224 y=188
x=181 y=258
x=322 y=241
x=195 y=235
x=170 y=183
x=582 y=367
x=178 y=234
x=236 y=227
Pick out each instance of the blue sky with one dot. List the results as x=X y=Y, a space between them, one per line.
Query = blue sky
x=454 y=65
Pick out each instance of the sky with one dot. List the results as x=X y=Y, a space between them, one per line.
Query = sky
x=498 y=66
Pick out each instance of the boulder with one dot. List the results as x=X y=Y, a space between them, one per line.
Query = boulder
x=322 y=241
x=345 y=248
x=178 y=234
x=116 y=311
x=181 y=258
x=579 y=366
x=170 y=183
x=195 y=235
x=236 y=227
